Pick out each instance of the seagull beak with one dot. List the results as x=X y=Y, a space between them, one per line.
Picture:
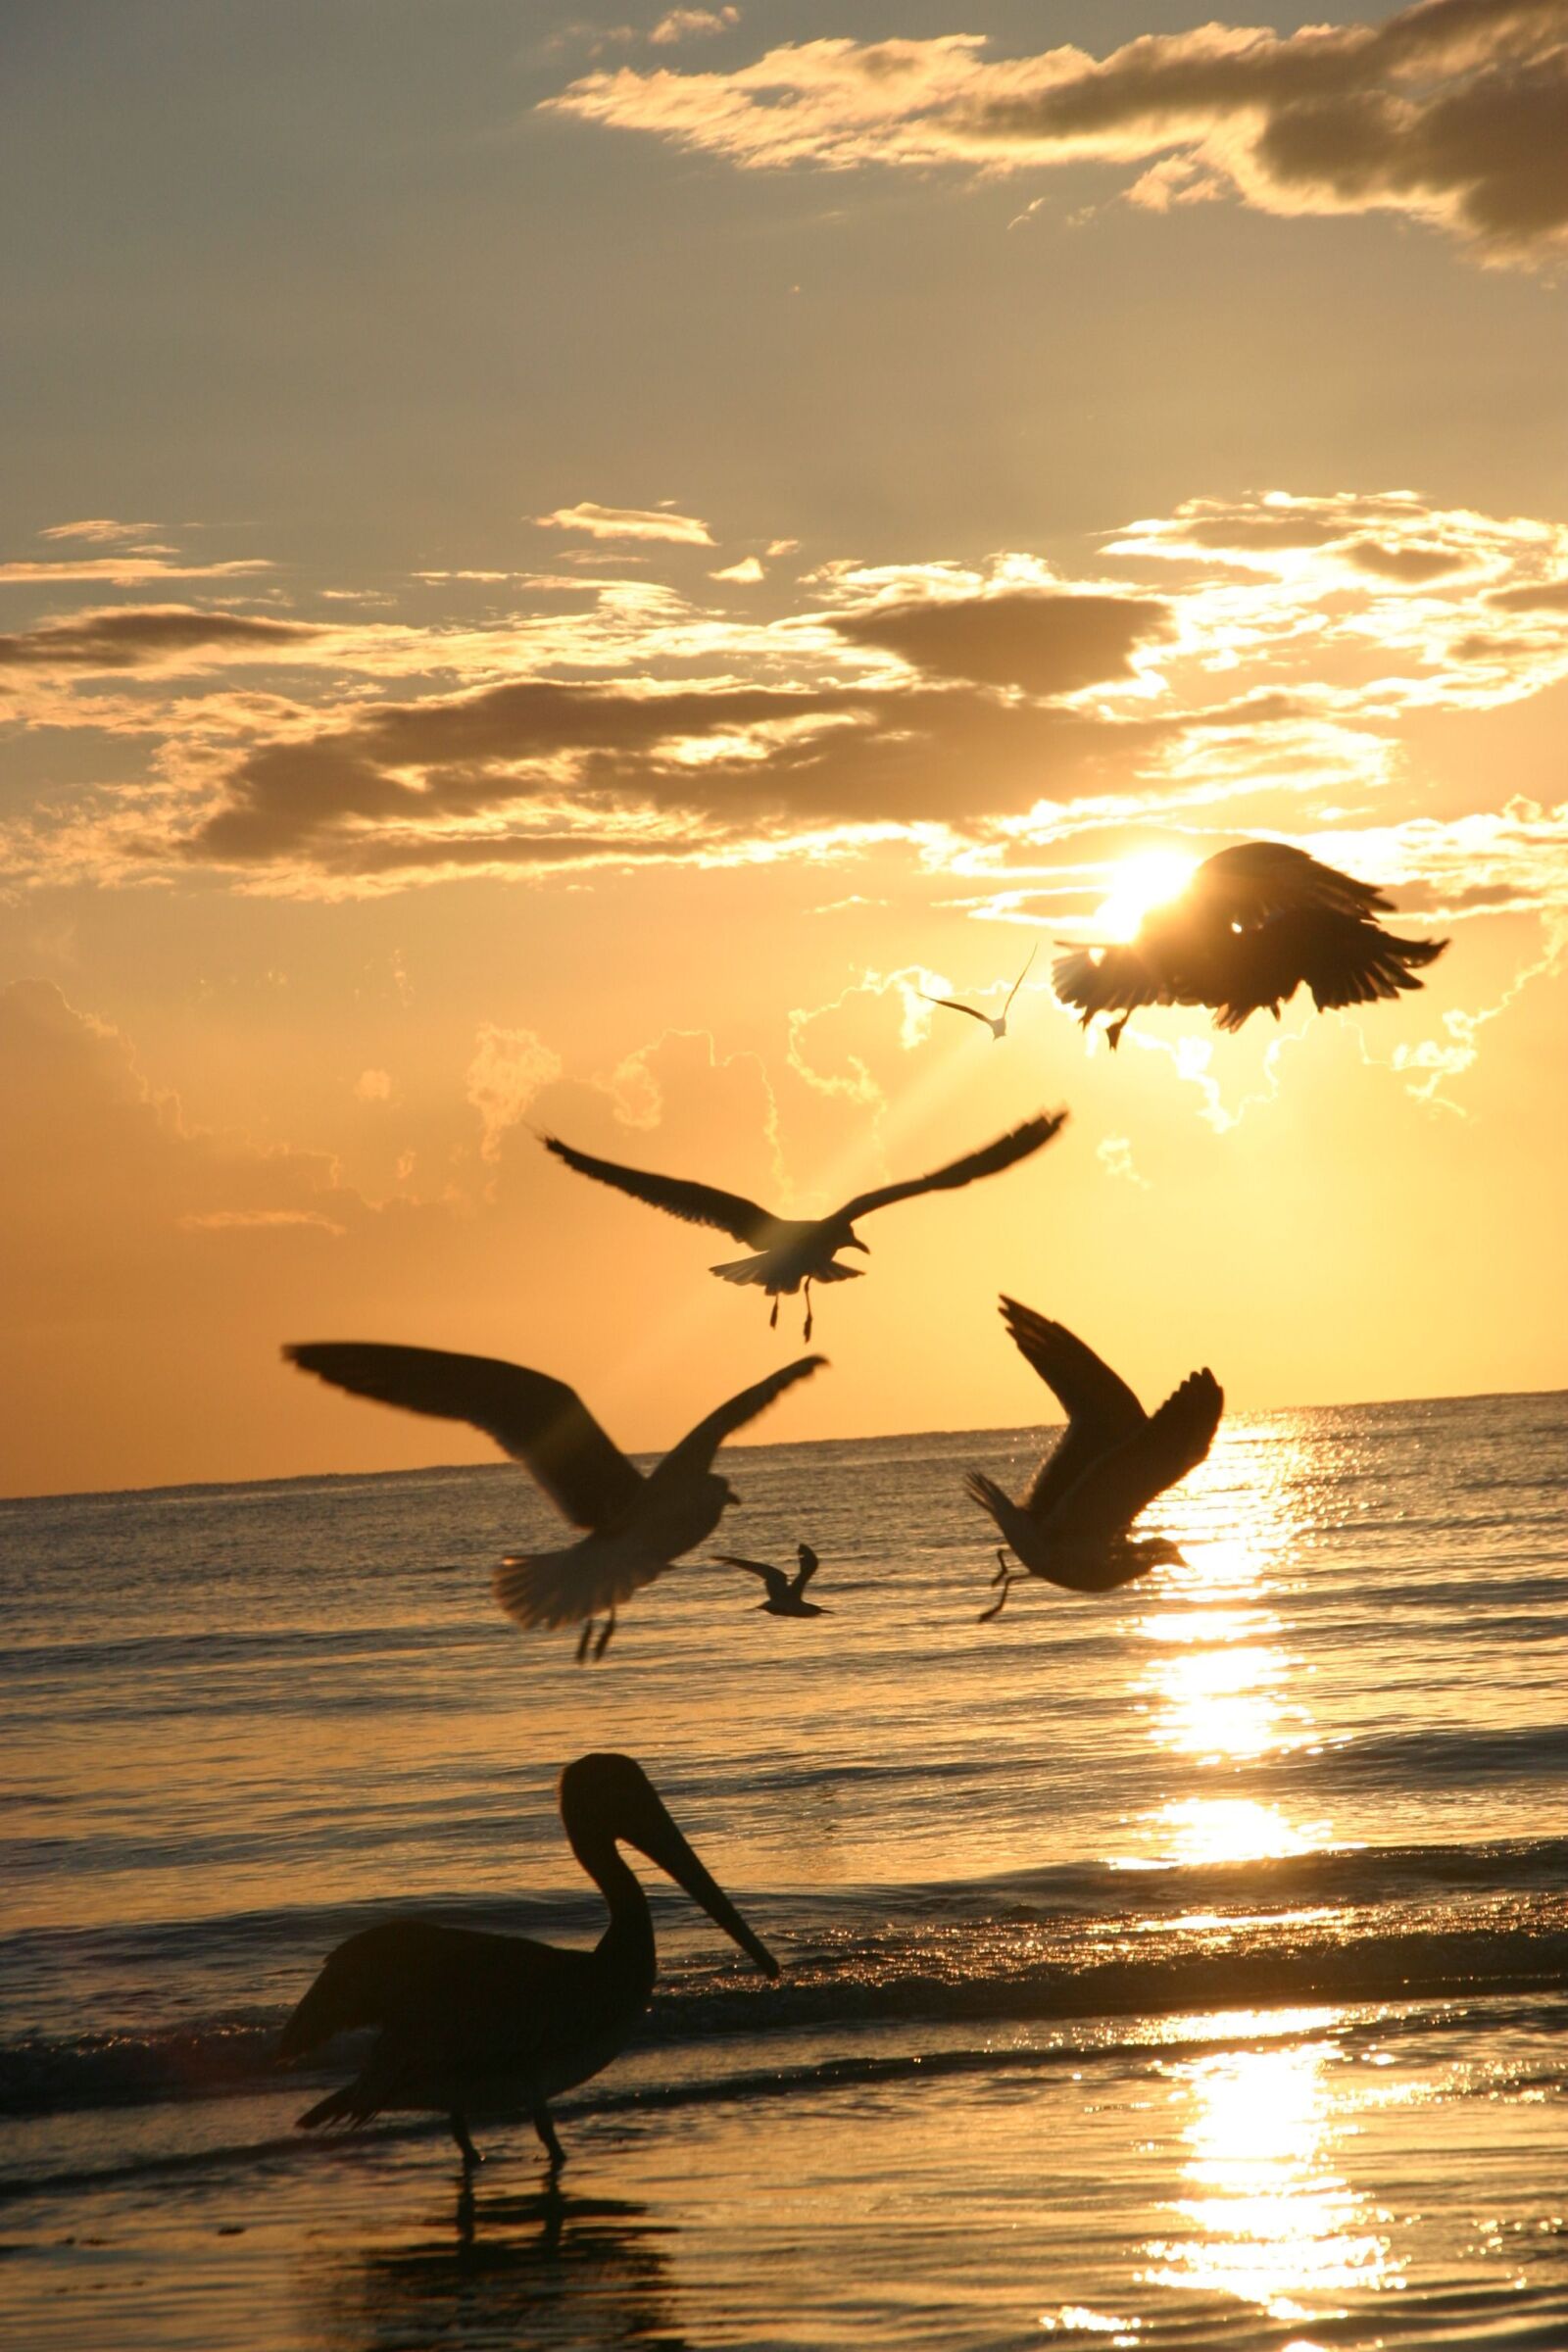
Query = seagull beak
x=854 y=1243
x=663 y=1842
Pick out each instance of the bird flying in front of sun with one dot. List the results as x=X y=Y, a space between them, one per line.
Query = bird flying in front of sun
x=1146 y=879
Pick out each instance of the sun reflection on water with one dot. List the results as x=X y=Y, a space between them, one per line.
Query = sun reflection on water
x=1269 y=2219
x=1222 y=1687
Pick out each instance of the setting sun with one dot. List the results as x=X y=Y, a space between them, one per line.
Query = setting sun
x=1139 y=883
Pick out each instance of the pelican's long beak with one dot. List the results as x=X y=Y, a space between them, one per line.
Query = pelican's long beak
x=664 y=1843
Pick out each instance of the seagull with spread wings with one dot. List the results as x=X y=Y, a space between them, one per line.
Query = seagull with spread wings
x=1110 y=1463
x=786 y=1595
x=997 y=1023
x=1252 y=925
x=637 y=1525
x=792 y=1252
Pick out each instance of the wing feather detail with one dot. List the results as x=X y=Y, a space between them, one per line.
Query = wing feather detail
x=540 y=1422
x=988 y=1160
x=679 y=1196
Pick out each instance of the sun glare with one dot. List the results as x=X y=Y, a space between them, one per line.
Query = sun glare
x=1139 y=883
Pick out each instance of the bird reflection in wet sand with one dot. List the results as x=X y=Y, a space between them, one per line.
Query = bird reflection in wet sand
x=473 y=2024
x=1252 y=927
x=786 y=1595
x=637 y=1526
x=1110 y=1463
x=996 y=1023
x=795 y=1252
x=569 y=2273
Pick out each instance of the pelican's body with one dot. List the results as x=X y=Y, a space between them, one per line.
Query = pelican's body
x=793 y=1252
x=1254 y=924
x=637 y=1526
x=786 y=1595
x=473 y=2024
x=1113 y=1461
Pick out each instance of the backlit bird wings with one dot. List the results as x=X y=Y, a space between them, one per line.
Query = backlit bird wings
x=989 y=1161
x=1102 y=1411
x=695 y=1203
x=809 y=1564
x=1347 y=961
x=951 y=1005
x=698 y=1446
x=777 y=1583
x=1261 y=879
x=1104 y=1501
x=1019 y=983
x=539 y=1421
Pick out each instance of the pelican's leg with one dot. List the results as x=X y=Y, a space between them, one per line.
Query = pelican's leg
x=806 y=1333
x=587 y=1636
x=603 y=1642
x=460 y=2133
x=547 y=2132
x=1001 y=1567
x=772 y=1320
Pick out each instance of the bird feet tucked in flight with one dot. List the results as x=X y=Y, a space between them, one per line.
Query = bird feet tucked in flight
x=1113 y=1033
x=1003 y=1578
x=602 y=1644
x=772 y=1320
x=806 y=1333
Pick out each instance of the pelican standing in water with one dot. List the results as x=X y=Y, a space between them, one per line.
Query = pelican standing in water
x=996 y=1023
x=793 y=1252
x=1112 y=1460
x=473 y=2024
x=785 y=1593
x=637 y=1526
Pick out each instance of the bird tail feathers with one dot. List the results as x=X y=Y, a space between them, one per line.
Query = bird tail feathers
x=989 y=1496
x=742 y=1269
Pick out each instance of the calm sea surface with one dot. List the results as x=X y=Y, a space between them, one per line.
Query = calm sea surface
x=1184 y=1967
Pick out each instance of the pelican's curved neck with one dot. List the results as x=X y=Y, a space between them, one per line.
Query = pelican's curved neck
x=630 y=1933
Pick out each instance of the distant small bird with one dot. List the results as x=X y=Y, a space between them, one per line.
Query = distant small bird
x=785 y=1593
x=797 y=1250
x=1252 y=924
x=638 y=1526
x=475 y=2023
x=997 y=1025
x=1110 y=1463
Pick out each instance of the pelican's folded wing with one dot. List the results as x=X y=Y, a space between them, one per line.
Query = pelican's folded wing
x=698 y=1446
x=537 y=1420
x=1106 y=1501
x=697 y=1204
x=990 y=1161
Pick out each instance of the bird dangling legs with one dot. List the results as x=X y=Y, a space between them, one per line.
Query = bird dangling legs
x=602 y=1644
x=470 y=2153
x=1003 y=1578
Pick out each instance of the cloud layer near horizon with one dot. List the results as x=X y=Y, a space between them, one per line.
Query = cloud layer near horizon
x=1452 y=112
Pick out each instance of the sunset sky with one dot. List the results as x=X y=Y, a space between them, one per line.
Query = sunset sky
x=560 y=564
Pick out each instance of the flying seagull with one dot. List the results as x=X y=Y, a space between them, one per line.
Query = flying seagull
x=786 y=1595
x=793 y=1252
x=1252 y=924
x=637 y=1526
x=476 y=2023
x=997 y=1027
x=1112 y=1461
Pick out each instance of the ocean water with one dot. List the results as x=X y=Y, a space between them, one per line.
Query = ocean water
x=1181 y=1967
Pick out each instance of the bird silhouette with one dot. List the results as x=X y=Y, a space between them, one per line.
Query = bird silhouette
x=997 y=1023
x=1109 y=1464
x=1254 y=924
x=785 y=1593
x=792 y=1252
x=473 y=2024
x=638 y=1525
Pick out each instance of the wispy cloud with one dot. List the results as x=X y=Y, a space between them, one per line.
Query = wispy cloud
x=1449 y=112
x=100 y=528
x=629 y=522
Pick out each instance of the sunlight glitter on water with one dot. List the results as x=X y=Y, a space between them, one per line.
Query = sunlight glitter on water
x=1273 y=2217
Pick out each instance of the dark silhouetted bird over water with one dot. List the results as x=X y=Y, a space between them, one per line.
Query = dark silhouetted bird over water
x=473 y=2024
x=792 y=1252
x=1252 y=927
x=786 y=1594
x=1109 y=1464
x=637 y=1525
